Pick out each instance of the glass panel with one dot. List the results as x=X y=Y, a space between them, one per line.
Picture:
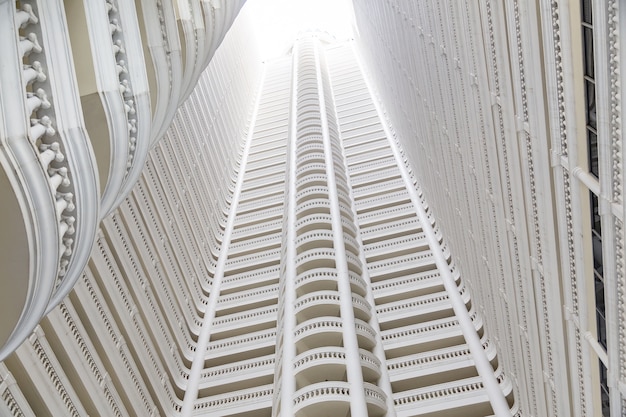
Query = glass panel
x=592 y=145
x=600 y=310
x=590 y=94
x=596 y=226
x=588 y=51
x=585 y=6
x=604 y=391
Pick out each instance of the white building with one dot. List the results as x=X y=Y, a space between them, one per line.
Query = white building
x=427 y=221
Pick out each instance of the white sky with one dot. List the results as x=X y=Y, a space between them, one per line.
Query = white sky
x=278 y=22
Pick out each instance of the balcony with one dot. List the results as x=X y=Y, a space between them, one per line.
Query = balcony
x=421 y=337
x=331 y=398
x=247 y=299
x=248 y=280
x=317 y=279
x=254 y=399
x=236 y=376
x=401 y=266
x=240 y=323
x=435 y=367
x=240 y=348
x=397 y=246
x=318 y=332
x=253 y=261
x=363 y=167
x=465 y=396
x=317 y=304
x=412 y=285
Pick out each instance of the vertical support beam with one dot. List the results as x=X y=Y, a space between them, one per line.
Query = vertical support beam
x=288 y=353
x=358 y=405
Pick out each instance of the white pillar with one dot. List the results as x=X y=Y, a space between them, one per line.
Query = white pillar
x=358 y=405
x=288 y=353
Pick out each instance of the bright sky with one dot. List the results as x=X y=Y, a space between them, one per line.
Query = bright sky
x=278 y=22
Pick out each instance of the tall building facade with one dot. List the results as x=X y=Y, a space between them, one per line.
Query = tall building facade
x=427 y=221
x=511 y=114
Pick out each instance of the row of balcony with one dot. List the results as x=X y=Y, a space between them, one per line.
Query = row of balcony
x=87 y=89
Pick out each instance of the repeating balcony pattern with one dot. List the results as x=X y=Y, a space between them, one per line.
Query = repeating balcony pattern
x=412 y=308
x=270 y=260
x=129 y=329
x=78 y=130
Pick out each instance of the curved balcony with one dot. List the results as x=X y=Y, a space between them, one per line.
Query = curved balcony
x=314 y=239
x=317 y=304
x=351 y=244
x=313 y=168
x=49 y=167
x=311 y=149
x=362 y=309
x=327 y=363
x=315 y=258
x=318 y=332
x=310 y=158
x=376 y=400
x=311 y=180
x=354 y=263
x=316 y=279
x=321 y=221
x=357 y=284
x=311 y=192
x=331 y=398
x=349 y=228
x=313 y=206
x=366 y=336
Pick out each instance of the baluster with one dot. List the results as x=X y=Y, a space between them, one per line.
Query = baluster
x=40 y=127
x=58 y=177
x=49 y=153
x=121 y=67
x=69 y=221
x=125 y=88
x=111 y=7
x=37 y=100
x=25 y=16
x=114 y=27
x=63 y=267
x=129 y=106
x=34 y=73
x=118 y=47
x=64 y=201
x=29 y=44
x=68 y=243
